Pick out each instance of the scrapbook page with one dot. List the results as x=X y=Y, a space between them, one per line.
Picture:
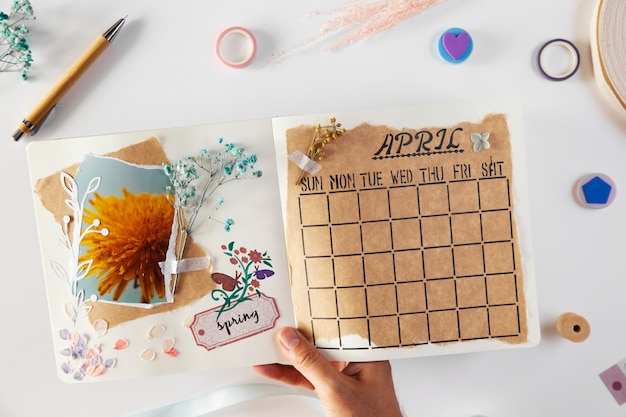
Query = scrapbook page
x=407 y=229
x=380 y=234
x=162 y=250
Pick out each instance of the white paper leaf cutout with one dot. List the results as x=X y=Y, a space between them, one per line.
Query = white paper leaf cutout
x=156 y=331
x=93 y=185
x=72 y=204
x=80 y=297
x=100 y=326
x=59 y=271
x=84 y=311
x=69 y=185
x=69 y=311
x=148 y=355
x=168 y=344
x=83 y=269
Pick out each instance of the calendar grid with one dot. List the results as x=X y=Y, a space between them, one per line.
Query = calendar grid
x=446 y=255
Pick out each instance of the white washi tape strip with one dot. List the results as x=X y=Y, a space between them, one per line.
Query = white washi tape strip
x=236 y=47
x=304 y=163
x=185 y=265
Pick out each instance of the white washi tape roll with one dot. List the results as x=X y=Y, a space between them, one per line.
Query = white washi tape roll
x=608 y=50
x=236 y=47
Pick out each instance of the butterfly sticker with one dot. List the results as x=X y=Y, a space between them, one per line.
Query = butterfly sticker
x=262 y=273
x=227 y=282
x=481 y=141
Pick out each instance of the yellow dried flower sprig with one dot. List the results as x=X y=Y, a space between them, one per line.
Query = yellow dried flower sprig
x=322 y=137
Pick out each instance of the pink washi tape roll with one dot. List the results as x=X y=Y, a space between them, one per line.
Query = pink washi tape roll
x=236 y=47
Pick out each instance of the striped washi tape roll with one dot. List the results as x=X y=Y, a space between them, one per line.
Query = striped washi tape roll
x=608 y=50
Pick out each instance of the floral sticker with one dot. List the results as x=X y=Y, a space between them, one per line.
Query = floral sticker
x=251 y=267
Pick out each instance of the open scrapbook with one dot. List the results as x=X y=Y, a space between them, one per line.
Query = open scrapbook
x=381 y=234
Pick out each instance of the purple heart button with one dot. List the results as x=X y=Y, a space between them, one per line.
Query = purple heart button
x=456 y=45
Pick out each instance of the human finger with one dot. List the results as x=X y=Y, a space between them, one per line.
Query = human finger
x=369 y=370
x=306 y=358
x=286 y=374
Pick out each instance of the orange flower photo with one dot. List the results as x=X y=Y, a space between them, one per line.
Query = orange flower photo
x=139 y=227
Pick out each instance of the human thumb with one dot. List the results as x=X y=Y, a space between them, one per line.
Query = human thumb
x=305 y=357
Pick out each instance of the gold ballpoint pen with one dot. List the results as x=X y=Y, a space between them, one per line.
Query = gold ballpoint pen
x=38 y=115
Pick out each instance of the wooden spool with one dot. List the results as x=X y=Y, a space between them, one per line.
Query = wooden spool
x=573 y=327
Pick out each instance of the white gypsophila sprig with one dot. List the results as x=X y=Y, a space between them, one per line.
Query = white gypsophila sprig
x=72 y=236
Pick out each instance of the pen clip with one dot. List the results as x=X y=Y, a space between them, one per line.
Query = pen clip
x=35 y=128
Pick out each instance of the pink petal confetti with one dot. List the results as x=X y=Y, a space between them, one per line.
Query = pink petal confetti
x=156 y=331
x=168 y=344
x=148 y=355
x=73 y=337
x=188 y=320
x=93 y=352
x=172 y=352
x=100 y=327
x=121 y=344
x=98 y=370
x=87 y=369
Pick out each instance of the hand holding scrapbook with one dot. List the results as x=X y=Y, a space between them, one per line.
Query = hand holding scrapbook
x=181 y=249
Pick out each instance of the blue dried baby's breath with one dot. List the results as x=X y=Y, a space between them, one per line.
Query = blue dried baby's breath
x=194 y=180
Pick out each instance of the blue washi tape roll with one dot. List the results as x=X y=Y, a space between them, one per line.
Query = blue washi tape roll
x=455 y=45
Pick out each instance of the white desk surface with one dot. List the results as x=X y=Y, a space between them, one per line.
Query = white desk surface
x=161 y=72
